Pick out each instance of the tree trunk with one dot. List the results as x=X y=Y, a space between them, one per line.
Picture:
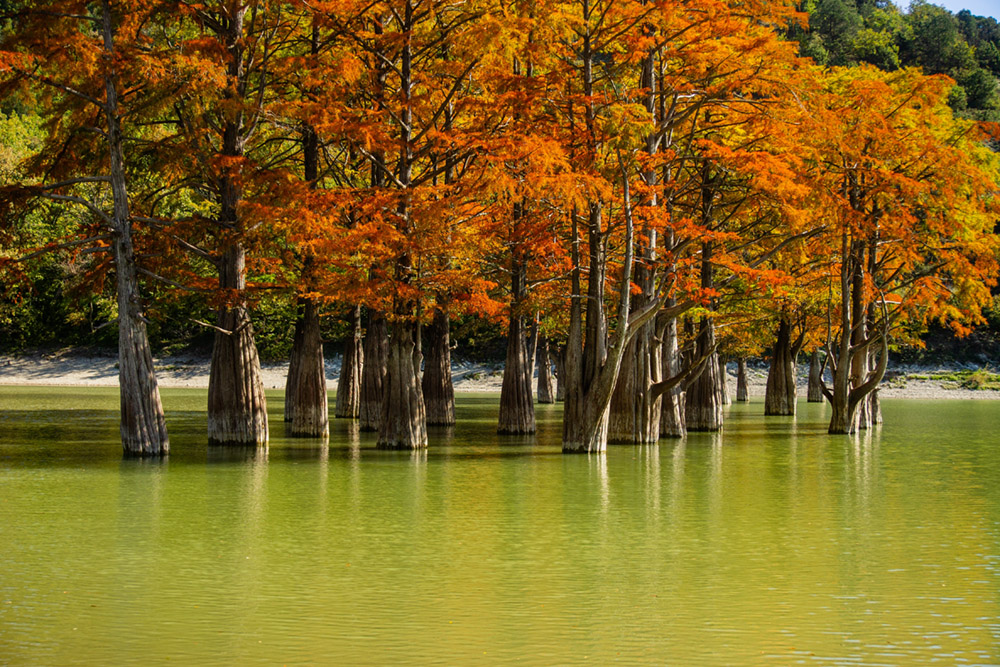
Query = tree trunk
x=560 y=362
x=779 y=396
x=703 y=407
x=672 y=424
x=142 y=425
x=742 y=392
x=438 y=391
x=815 y=391
x=724 y=382
x=544 y=390
x=404 y=418
x=517 y=412
x=373 y=372
x=292 y=377
x=634 y=415
x=237 y=409
x=349 y=382
x=310 y=412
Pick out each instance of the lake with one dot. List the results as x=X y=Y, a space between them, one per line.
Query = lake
x=773 y=543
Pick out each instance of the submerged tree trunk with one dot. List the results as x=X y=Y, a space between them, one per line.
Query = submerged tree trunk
x=672 y=423
x=237 y=409
x=142 y=425
x=560 y=362
x=352 y=363
x=742 y=392
x=544 y=390
x=310 y=416
x=779 y=396
x=814 y=393
x=376 y=352
x=724 y=382
x=438 y=391
x=517 y=412
x=634 y=414
x=703 y=408
x=853 y=380
x=403 y=424
x=292 y=377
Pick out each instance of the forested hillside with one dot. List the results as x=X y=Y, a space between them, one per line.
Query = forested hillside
x=961 y=46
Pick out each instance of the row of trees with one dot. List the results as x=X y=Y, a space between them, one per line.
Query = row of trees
x=635 y=186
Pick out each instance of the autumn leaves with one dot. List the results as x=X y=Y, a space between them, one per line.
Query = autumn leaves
x=652 y=182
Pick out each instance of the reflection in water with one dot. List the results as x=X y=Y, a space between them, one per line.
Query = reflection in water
x=236 y=454
x=767 y=544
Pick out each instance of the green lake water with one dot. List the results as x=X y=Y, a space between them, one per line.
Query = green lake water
x=773 y=543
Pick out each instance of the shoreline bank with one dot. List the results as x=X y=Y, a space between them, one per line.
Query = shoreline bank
x=67 y=368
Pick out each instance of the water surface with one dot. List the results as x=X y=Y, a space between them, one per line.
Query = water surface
x=773 y=543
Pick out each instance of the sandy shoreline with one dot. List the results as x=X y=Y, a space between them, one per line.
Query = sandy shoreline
x=67 y=368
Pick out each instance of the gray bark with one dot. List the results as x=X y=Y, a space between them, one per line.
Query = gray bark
x=142 y=425
x=742 y=390
x=376 y=353
x=438 y=391
x=403 y=424
x=310 y=412
x=351 y=368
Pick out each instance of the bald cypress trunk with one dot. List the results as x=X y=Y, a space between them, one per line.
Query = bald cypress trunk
x=560 y=362
x=703 y=406
x=349 y=382
x=376 y=353
x=742 y=390
x=517 y=411
x=403 y=424
x=237 y=409
x=815 y=389
x=438 y=391
x=672 y=422
x=545 y=391
x=310 y=412
x=724 y=382
x=779 y=396
x=292 y=377
x=142 y=426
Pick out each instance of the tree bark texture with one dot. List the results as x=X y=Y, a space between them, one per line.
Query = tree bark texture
x=349 y=382
x=559 y=358
x=634 y=415
x=544 y=391
x=292 y=377
x=742 y=389
x=403 y=424
x=814 y=392
x=142 y=425
x=672 y=423
x=517 y=412
x=237 y=409
x=703 y=405
x=438 y=391
x=779 y=396
x=309 y=405
x=724 y=382
x=376 y=353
